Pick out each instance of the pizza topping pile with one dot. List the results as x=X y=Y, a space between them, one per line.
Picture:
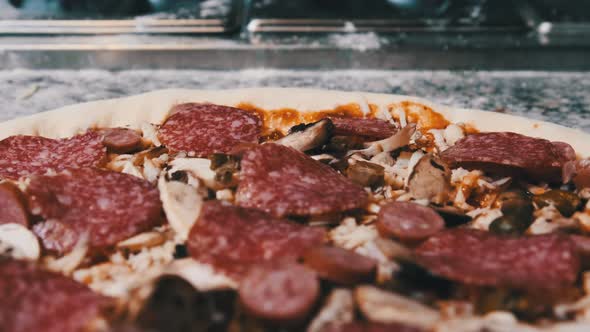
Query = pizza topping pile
x=225 y=219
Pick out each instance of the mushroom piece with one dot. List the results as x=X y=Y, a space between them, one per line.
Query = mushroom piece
x=396 y=141
x=364 y=173
x=385 y=307
x=18 y=242
x=307 y=137
x=336 y=311
x=430 y=180
x=182 y=205
x=226 y=168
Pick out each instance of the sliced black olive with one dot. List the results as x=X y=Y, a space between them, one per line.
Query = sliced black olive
x=416 y=282
x=452 y=216
x=517 y=213
x=175 y=305
x=507 y=225
x=566 y=202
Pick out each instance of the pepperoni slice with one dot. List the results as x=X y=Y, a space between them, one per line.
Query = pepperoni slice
x=27 y=155
x=577 y=172
x=232 y=238
x=279 y=293
x=340 y=265
x=38 y=300
x=510 y=153
x=104 y=206
x=203 y=129
x=370 y=128
x=533 y=263
x=372 y=327
x=122 y=140
x=286 y=182
x=408 y=222
x=12 y=205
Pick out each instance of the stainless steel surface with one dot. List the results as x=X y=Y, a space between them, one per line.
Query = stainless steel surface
x=393 y=25
x=93 y=27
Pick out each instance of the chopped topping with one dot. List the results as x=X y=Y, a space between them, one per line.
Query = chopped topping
x=18 y=242
x=385 y=307
x=312 y=136
x=430 y=180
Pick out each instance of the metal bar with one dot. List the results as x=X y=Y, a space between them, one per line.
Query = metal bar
x=311 y=25
x=77 y=27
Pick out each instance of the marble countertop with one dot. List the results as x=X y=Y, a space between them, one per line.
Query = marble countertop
x=559 y=97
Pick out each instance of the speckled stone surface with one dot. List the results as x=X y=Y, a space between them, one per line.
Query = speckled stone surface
x=562 y=98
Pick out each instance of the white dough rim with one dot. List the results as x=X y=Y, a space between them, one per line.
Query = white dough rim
x=153 y=107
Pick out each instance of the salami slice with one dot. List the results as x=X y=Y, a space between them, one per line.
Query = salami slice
x=510 y=153
x=534 y=263
x=12 y=205
x=41 y=301
x=104 y=206
x=232 y=238
x=203 y=129
x=286 y=182
x=27 y=155
x=122 y=140
x=279 y=293
x=408 y=222
x=339 y=265
x=369 y=128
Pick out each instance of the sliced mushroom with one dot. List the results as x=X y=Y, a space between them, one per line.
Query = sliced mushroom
x=396 y=141
x=201 y=276
x=226 y=168
x=142 y=240
x=193 y=170
x=337 y=310
x=365 y=173
x=182 y=205
x=385 y=307
x=430 y=180
x=18 y=242
x=309 y=137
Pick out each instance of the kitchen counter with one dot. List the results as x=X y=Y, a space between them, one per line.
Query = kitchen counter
x=559 y=97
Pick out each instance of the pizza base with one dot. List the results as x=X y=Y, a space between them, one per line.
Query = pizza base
x=153 y=107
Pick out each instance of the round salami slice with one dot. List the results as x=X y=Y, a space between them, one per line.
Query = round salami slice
x=12 y=205
x=340 y=265
x=27 y=155
x=203 y=129
x=510 y=153
x=122 y=140
x=279 y=293
x=232 y=238
x=286 y=182
x=369 y=128
x=88 y=204
x=38 y=300
x=541 y=263
x=408 y=222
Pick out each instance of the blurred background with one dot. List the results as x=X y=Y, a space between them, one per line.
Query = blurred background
x=529 y=57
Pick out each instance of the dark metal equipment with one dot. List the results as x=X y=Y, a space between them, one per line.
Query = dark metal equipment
x=220 y=34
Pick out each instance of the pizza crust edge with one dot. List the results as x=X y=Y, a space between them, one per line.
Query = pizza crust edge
x=153 y=107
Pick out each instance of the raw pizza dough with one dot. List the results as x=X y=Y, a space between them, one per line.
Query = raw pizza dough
x=153 y=107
